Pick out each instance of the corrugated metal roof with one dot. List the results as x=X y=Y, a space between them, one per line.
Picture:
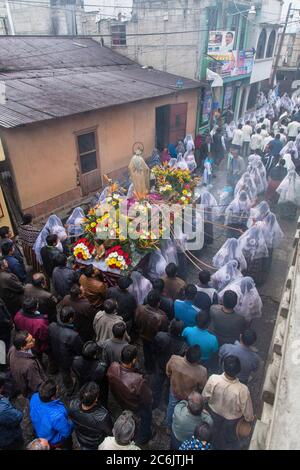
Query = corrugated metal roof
x=47 y=78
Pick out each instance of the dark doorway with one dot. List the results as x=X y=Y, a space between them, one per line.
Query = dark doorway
x=162 y=122
x=170 y=124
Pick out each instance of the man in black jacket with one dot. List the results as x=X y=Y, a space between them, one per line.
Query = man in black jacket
x=91 y=420
x=63 y=277
x=165 y=345
x=49 y=253
x=90 y=368
x=126 y=302
x=65 y=344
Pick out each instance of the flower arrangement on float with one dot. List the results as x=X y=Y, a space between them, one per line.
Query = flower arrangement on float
x=117 y=258
x=174 y=184
x=83 y=249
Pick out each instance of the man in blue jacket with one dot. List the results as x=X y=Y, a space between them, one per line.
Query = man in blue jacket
x=10 y=420
x=185 y=310
x=16 y=266
x=50 y=417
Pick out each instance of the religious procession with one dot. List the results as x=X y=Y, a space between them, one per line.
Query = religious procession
x=119 y=342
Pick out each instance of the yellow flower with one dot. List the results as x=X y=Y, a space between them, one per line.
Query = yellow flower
x=184 y=192
x=93 y=224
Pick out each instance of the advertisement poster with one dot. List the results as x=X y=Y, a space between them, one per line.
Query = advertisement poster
x=228 y=95
x=221 y=41
x=232 y=64
x=207 y=106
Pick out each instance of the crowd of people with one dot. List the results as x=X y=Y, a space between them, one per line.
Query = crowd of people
x=94 y=359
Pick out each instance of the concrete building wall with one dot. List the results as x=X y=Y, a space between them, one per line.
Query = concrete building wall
x=44 y=156
x=173 y=53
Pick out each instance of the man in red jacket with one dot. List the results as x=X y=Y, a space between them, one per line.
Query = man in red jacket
x=30 y=319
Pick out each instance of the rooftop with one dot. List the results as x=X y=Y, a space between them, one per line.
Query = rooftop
x=52 y=77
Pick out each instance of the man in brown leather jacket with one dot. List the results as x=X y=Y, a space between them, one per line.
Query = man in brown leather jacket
x=131 y=391
x=149 y=321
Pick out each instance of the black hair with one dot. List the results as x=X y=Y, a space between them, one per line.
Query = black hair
x=232 y=366
x=29 y=305
x=263 y=126
x=176 y=327
x=61 y=260
x=204 y=277
x=203 y=432
x=38 y=279
x=75 y=292
x=202 y=319
x=153 y=298
x=248 y=123
x=6 y=248
x=27 y=219
x=89 y=393
x=51 y=239
x=282 y=162
x=128 y=354
x=240 y=126
x=158 y=285
x=190 y=292
x=4 y=231
x=124 y=282
x=20 y=339
x=249 y=337
x=90 y=350
x=258 y=131
x=277 y=136
x=110 y=306
x=230 y=299
x=119 y=329
x=171 y=270
x=67 y=314
x=47 y=390
x=193 y=354
x=2 y=379
x=88 y=271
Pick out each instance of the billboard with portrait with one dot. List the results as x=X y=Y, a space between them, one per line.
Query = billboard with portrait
x=221 y=41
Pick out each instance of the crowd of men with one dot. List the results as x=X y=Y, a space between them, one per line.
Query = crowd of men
x=94 y=361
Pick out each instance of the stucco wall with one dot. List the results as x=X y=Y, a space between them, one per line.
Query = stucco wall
x=44 y=155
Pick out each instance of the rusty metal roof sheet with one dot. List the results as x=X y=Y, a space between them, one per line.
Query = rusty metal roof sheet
x=48 y=78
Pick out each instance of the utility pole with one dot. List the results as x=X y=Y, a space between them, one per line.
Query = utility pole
x=273 y=76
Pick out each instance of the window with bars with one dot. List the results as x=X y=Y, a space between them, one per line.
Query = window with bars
x=87 y=152
x=118 y=34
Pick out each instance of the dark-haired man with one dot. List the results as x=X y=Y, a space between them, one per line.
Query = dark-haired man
x=31 y=320
x=229 y=401
x=206 y=295
x=112 y=348
x=11 y=289
x=149 y=321
x=126 y=303
x=166 y=344
x=91 y=420
x=185 y=310
x=15 y=265
x=200 y=335
x=173 y=283
x=38 y=290
x=166 y=304
x=186 y=375
x=249 y=359
x=131 y=391
x=49 y=252
x=84 y=312
x=10 y=419
x=105 y=320
x=65 y=344
x=25 y=368
x=225 y=323
x=49 y=417
x=63 y=277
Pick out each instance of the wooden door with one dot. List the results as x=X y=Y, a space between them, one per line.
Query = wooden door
x=88 y=162
x=177 y=120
